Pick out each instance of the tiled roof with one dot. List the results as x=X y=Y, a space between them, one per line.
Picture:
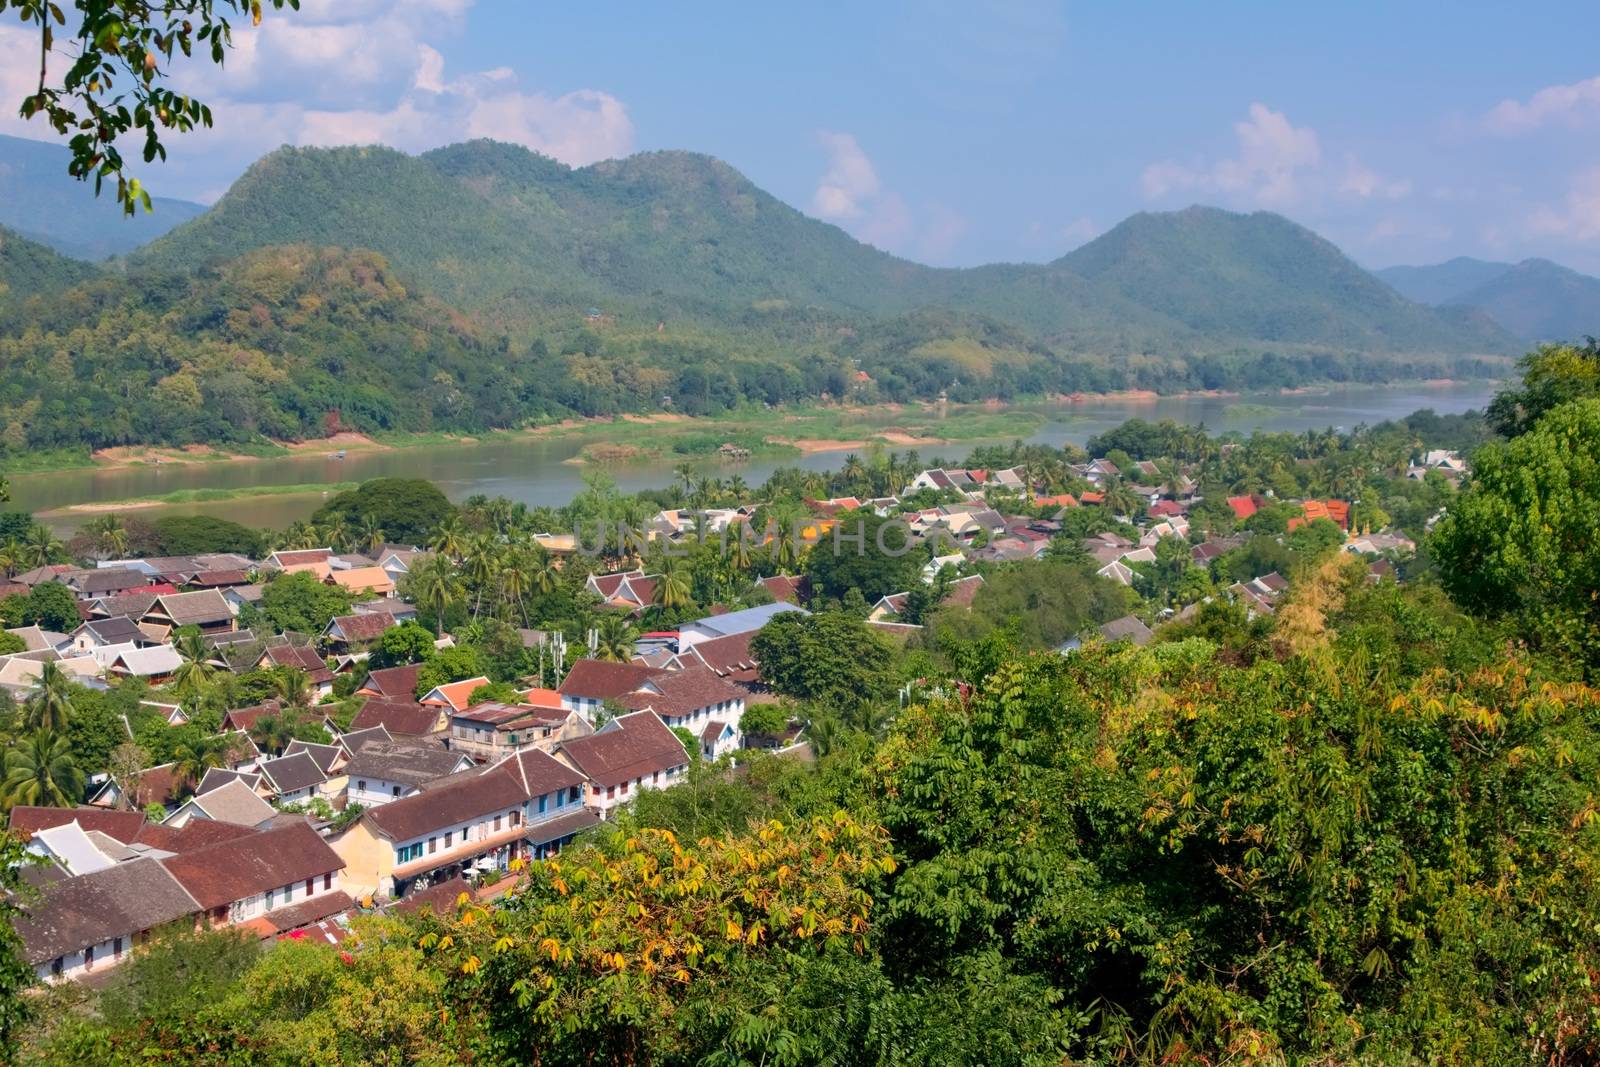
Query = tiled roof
x=107 y=580
x=406 y=762
x=325 y=755
x=440 y=898
x=397 y=716
x=191 y=609
x=394 y=682
x=301 y=556
x=217 y=777
x=597 y=679
x=308 y=911
x=627 y=747
x=196 y=834
x=218 y=579
x=359 y=579
x=729 y=656
x=115 y=630
x=122 y=825
x=456 y=694
x=234 y=802
x=464 y=797
x=234 y=870
x=367 y=627
x=555 y=829
x=784 y=588
x=246 y=718
x=289 y=773
x=302 y=658
x=118 y=901
x=683 y=692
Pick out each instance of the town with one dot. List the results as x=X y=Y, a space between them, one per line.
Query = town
x=355 y=721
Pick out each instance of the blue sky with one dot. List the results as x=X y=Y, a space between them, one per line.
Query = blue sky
x=960 y=133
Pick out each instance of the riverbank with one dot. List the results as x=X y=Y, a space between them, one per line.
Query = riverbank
x=201 y=496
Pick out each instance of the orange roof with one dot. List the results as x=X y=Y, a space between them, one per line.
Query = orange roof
x=454 y=694
x=1065 y=500
x=541 y=698
x=1092 y=498
x=364 y=579
x=1243 y=506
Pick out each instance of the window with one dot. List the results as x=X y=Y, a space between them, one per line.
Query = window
x=396 y=790
x=327 y=881
x=561 y=799
x=656 y=777
x=88 y=958
x=543 y=801
x=516 y=818
x=433 y=845
x=361 y=785
x=624 y=788
x=573 y=796
x=497 y=824
x=116 y=948
x=311 y=885
x=611 y=791
x=56 y=966
x=272 y=894
x=448 y=836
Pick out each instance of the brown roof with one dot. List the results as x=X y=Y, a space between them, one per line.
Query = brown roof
x=683 y=692
x=196 y=834
x=235 y=870
x=325 y=755
x=289 y=773
x=730 y=657
x=216 y=777
x=246 y=718
x=217 y=579
x=784 y=587
x=398 y=683
x=311 y=910
x=302 y=556
x=397 y=716
x=562 y=825
x=132 y=605
x=122 y=825
x=598 y=679
x=403 y=761
x=627 y=747
x=108 y=580
x=300 y=657
x=126 y=899
x=465 y=797
x=440 y=898
x=368 y=627
x=193 y=609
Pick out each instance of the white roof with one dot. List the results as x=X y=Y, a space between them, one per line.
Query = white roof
x=145 y=662
x=69 y=845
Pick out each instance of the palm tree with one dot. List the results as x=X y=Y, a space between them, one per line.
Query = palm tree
x=616 y=637
x=449 y=539
x=434 y=587
x=40 y=770
x=516 y=580
x=11 y=556
x=543 y=573
x=273 y=732
x=194 y=675
x=478 y=566
x=110 y=534
x=336 y=532
x=738 y=489
x=191 y=760
x=369 y=533
x=672 y=585
x=50 y=706
x=1121 y=500
x=292 y=687
x=42 y=547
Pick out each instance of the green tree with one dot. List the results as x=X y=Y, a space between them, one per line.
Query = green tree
x=51 y=606
x=433 y=586
x=409 y=642
x=49 y=706
x=407 y=510
x=40 y=770
x=299 y=602
x=831 y=658
x=1520 y=541
x=1552 y=375
x=616 y=638
x=865 y=552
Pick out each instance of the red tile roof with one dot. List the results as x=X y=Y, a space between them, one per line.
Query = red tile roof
x=784 y=588
x=455 y=694
x=246 y=718
x=683 y=692
x=235 y=870
x=397 y=716
x=461 y=798
x=362 y=627
x=627 y=747
x=1243 y=507
x=597 y=679
x=730 y=657
x=398 y=683
x=124 y=826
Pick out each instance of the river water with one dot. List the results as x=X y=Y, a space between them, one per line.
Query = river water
x=537 y=470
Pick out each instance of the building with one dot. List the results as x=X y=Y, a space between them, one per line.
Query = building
x=287 y=876
x=293 y=779
x=628 y=754
x=371 y=581
x=454 y=696
x=491 y=730
x=394 y=683
x=474 y=821
x=84 y=924
x=591 y=682
x=155 y=664
x=734 y=622
x=692 y=698
x=233 y=801
x=302 y=658
x=349 y=632
x=204 y=608
x=401 y=717
x=380 y=771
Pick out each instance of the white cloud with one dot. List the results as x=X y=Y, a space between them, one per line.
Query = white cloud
x=1578 y=217
x=1556 y=103
x=849 y=182
x=1080 y=231
x=1273 y=155
x=1366 y=183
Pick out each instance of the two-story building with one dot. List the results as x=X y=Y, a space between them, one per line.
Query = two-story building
x=591 y=682
x=692 y=698
x=382 y=771
x=475 y=821
x=628 y=754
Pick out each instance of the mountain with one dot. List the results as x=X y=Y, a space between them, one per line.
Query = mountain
x=669 y=235
x=28 y=268
x=39 y=200
x=1440 y=283
x=1536 y=300
x=1539 y=300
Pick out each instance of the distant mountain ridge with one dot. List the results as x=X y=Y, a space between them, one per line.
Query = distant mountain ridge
x=498 y=228
x=1536 y=300
x=40 y=201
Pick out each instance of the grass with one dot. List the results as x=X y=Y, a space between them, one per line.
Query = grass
x=206 y=496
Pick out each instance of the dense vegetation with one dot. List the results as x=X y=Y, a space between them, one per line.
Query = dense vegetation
x=525 y=290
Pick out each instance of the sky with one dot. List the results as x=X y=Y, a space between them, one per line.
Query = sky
x=965 y=133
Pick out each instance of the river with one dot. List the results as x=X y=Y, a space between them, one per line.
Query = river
x=537 y=470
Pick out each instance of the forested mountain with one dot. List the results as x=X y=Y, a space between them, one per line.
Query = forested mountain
x=39 y=200
x=482 y=285
x=1536 y=299
x=28 y=267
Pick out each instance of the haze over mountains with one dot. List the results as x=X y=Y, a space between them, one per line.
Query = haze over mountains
x=483 y=285
x=1536 y=299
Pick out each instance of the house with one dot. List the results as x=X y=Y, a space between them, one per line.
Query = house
x=1380 y=544
x=302 y=658
x=155 y=664
x=785 y=588
x=35 y=639
x=121 y=826
x=103 y=633
x=733 y=622
x=396 y=609
x=292 y=779
x=237 y=596
x=1127 y=628
x=331 y=758
x=1245 y=506
x=454 y=695
x=627 y=754
x=217 y=777
x=76 y=850
x=383 y=771
x=405 y=718
x=631 y=590
x=287 y=876
x=231 y=802
x=718 y=738
x=1335 y=511
x=19 y=673
x=299 y=557
x=392 y=683
x=245 y=719
x=690 y=698
x=220 y=579
x=490 y=730
x=203 y=608
x=104 y=582
x=84 y=924
x=591 y=682
x=351 y=632
x=160 y=785
x=371 y=581
x=728 y=657
x=474 y=821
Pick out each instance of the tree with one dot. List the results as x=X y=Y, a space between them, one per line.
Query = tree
x=49 y=706
x=407 y=510
x=301 y=603
x=40 y=770
x=881 y=562
x=409 y=642
x=192 y=677
x=194 y=757
x=672 y=588
x=433 y=586
x=616 y=638
x=831 y=658
x=1520 y=541
x=1552 y=375
x=17 y=1007
x=51 y=606
x=764 y=719
x=450 y=665
x=117 y=84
